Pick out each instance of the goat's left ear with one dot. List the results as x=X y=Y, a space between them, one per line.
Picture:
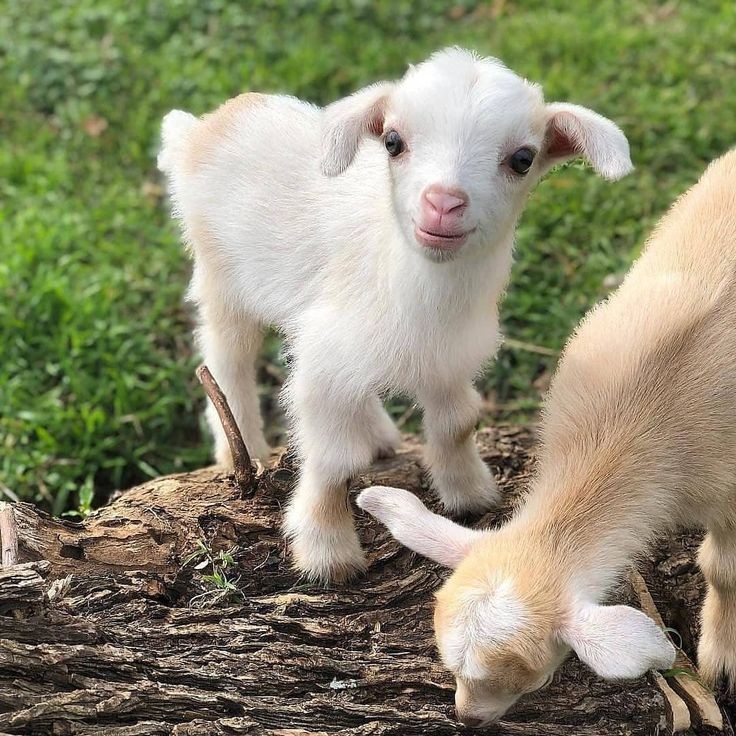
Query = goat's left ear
x=617 y=642
x=416 y=527
x=573 y=131
x=347 y=121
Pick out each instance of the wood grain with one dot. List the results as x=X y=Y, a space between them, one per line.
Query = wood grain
x=126 y=647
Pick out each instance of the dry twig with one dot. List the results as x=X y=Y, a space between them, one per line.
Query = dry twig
x=704 y=710
x=529 y=347
x=242 y=466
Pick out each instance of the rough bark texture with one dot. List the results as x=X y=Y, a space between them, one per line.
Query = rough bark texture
x=116 y=635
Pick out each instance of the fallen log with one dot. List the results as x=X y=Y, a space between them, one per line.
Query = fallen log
x=173 y=610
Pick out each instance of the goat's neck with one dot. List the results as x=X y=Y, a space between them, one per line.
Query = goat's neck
x=592 y=517
x=477 y=275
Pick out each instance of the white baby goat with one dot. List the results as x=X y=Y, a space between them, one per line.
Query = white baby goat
x=639 y=436
x=376 y=234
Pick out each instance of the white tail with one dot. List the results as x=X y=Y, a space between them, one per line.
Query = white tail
x=175 y=129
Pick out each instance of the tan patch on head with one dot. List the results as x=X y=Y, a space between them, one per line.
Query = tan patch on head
x=508 y=671
x=214 y=127
x=508 y=642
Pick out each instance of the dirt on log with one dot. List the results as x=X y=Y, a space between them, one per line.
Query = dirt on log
x=116 y=626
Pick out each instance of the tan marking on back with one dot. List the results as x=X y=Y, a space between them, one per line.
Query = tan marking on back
x=200 y=238
x=215 y=126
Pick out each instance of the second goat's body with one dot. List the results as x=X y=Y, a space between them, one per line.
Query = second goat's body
x=640 y=429
x=638 y=438
x=643 y=408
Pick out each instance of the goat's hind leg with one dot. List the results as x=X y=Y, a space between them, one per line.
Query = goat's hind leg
x=386 y=437
x=230 y=348
x=717 y=647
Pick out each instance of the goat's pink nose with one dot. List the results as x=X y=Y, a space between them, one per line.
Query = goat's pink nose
x=443 y=201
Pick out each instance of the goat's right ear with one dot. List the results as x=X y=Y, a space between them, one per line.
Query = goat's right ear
x=617 y=642
x=573 y=130
x=347 y=121
x=415 y=526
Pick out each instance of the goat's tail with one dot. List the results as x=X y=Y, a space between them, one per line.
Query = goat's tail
x=175 y=129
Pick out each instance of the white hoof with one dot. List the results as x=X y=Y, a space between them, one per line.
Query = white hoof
x=323 y=550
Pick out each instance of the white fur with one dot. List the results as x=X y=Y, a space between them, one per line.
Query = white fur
x=617 y=642
x=469 y=634
x=298 y=219
x=174 y=132
x=606 y=149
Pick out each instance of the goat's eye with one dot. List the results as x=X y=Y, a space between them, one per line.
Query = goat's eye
x=394 y=144
x=521 y=161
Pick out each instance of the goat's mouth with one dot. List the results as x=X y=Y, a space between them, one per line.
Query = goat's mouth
x=441 y=239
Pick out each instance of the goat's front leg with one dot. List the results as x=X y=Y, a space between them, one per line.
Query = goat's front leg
x=335 y=441
x=462 y=480
x=717 y=646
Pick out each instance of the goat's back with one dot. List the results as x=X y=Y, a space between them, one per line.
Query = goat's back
x=260 y=218
x=650 y=374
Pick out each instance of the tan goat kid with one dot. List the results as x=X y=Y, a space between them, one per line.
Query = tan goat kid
x=638 y=437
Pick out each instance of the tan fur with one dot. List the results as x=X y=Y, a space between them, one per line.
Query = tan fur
x=201 y=238
x=639 y=430
x=216 y=126
x=639 y=436
x=717 y=647
x=463 y=435
x=523 y=658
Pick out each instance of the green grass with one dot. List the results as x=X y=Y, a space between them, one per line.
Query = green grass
x=96 y=369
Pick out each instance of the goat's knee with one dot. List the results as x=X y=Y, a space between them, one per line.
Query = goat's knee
x=717 y=646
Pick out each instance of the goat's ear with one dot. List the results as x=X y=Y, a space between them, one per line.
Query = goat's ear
x=415 y=526
x=573 y=131
x=617 y=642
x=347 y=121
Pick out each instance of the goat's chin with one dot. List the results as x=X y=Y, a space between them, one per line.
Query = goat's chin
x=439 y=255
x=434 y=255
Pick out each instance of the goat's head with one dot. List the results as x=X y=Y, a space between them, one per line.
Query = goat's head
x=465 y=139
x=511 y=611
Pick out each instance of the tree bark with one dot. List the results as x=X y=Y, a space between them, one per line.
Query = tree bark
x=111 y=630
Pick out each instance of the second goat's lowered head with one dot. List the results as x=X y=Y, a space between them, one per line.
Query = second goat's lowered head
x=512 y=609
x=465 y=139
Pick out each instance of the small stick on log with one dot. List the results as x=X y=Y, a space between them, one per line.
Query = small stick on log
x=242 y=466
x=530 y=347
x=8 y=535
x=678 y=714
x=704 y=710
